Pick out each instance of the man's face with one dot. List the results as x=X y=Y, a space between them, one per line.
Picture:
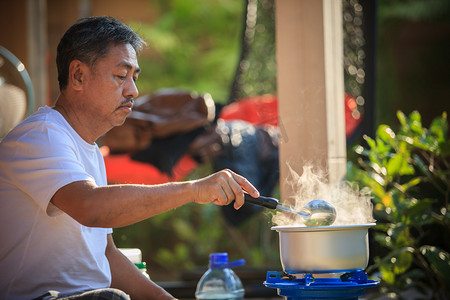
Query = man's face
x=111 y=86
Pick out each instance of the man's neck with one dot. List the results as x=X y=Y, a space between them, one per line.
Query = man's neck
x=80 y=125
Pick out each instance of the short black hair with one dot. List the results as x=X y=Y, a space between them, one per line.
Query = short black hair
x=90 y=39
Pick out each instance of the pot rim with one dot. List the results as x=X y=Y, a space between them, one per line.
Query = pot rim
x=303 y=228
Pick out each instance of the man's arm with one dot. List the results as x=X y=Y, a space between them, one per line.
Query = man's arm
x=128 y=278
x=121 y=205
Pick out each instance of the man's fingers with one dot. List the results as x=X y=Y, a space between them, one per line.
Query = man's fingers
x=237 y=183
x=226 y=186
x=244 y=184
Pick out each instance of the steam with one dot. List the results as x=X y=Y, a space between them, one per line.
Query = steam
x=353 y=205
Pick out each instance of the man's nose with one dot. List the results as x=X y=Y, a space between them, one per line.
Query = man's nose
x=131 y=90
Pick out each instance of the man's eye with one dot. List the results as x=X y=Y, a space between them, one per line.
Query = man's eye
x=122 y=77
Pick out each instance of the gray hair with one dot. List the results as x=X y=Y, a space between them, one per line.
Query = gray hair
x=90 y=39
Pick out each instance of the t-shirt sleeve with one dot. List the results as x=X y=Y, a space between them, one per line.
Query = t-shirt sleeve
x=44 y=160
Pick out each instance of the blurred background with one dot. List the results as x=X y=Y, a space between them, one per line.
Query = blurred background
x=396 y=57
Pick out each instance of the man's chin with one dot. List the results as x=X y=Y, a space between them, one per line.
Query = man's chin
x=118 y=122
x=121 y=116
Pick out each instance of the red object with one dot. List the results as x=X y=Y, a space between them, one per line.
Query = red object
x=352 y=116
x=122 y=169
x=255 y=110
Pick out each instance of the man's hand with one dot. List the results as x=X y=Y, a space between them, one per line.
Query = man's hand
x=222 y=188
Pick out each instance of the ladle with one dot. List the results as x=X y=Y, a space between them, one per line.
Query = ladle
x=315 y=213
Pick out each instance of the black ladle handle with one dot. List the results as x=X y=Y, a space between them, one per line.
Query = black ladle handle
x=262 y=201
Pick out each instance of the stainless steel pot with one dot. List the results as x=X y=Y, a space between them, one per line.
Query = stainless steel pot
x=327 y=249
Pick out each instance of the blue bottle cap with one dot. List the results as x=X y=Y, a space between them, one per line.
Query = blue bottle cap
x=220 y=260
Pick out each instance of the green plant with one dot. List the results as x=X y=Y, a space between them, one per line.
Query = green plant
x=194 y=45
x=408 y=173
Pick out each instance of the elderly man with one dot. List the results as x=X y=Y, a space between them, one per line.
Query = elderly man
x=56 y=209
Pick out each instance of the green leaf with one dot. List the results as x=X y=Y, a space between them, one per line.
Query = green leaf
x=382 y=227
x=439 y=127
x=415 y=122
x=382 y=239
x=426 y=142
x=360 y=150
x=419 y=208
x=370 y=142
x=405 y=138
x=386 y=134
x=403 y=261
x=387 y=274
x=375 y=180
x=402 y=118
x=396 y=263
x=413 y=182
x=383 y=148
x=398 y=165
x=422 y=166
x=355 y=174
x=401 y=236
x=439 y=260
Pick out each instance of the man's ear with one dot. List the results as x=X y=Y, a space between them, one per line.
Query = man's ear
x=77 y=74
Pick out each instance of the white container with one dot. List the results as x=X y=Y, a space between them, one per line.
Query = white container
x=133 y=254
x=325 y=249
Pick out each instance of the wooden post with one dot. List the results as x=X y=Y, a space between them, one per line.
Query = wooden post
x=37 y=50
x=310 y=87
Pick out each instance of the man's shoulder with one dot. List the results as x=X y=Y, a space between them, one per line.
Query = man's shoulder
x=44 y=128
x=45 y=114
x=41 y=116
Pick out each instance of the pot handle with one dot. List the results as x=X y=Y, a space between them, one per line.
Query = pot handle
x=262 y=201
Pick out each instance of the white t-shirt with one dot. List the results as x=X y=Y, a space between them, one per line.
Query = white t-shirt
x=41 y=247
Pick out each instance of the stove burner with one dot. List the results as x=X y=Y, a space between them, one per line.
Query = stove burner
x=348 y=287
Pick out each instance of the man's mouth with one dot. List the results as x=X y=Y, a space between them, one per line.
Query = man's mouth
x=127 y=103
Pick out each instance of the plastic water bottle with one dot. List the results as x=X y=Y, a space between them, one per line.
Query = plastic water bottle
x=220 y=282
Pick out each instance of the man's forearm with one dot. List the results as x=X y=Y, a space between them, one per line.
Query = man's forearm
x=116 y=206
